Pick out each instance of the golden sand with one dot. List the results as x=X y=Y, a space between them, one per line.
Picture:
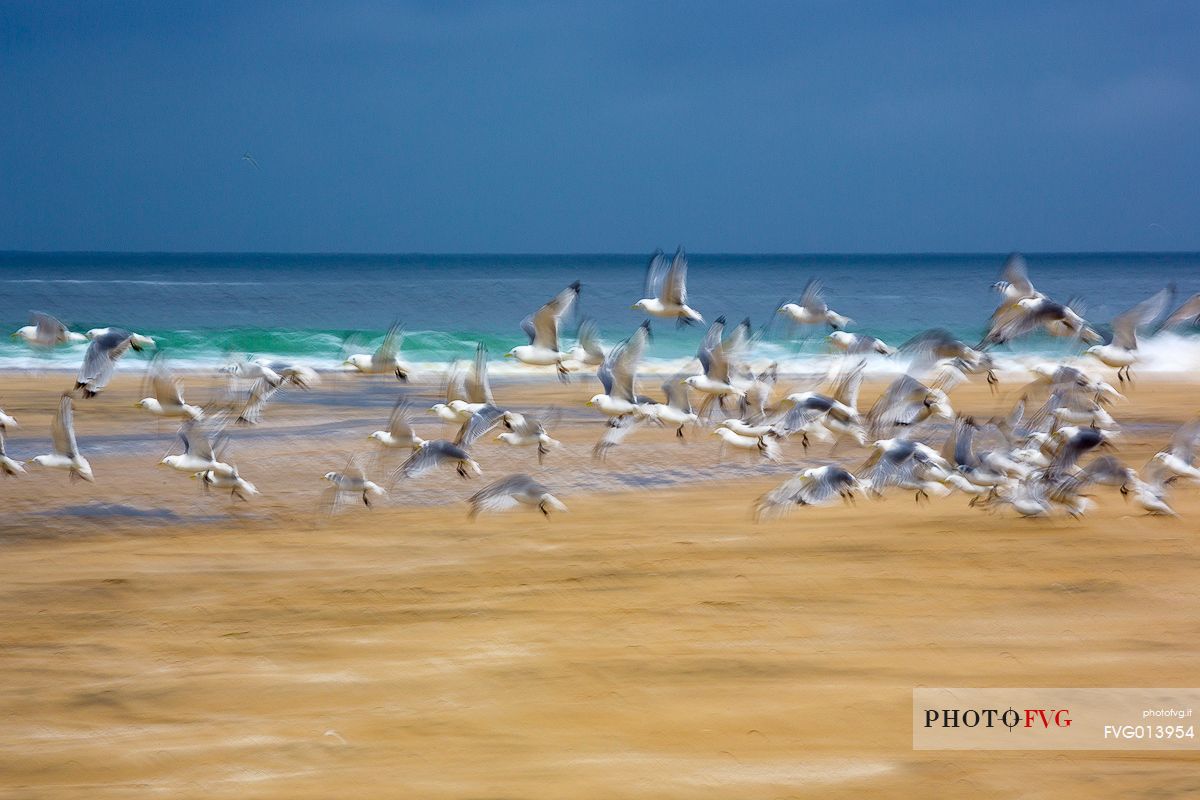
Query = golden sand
x=649 y=644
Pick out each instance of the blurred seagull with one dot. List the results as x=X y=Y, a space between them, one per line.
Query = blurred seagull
x=66 y=453
x=466 y=392
x=239 y=488
x=250 y=160
x=511 y=492
x=167 y=399
x=811 y=487
x=100 y=360
x=666 y=289
x=526 y=431
x=433 y=454
x=677 y=410
x=857 y=343
x=1187 y=314
x=46 y=331
x=588 y=349
x=399 y=433
x=7 y=421
x=1121 y=351
x=350 y=481
x=201 y=451
x=140 y=342
x=717 y=357
x=385 y=359
x=542 y=329
x=618 y=375
x=813 y=310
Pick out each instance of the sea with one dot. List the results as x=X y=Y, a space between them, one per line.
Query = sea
x=207 y=309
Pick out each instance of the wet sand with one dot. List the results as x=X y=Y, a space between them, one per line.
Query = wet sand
x=651 y=643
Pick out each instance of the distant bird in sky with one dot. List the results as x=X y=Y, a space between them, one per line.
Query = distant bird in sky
x=250 y=159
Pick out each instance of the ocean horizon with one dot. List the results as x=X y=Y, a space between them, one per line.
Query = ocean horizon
x=205 y=309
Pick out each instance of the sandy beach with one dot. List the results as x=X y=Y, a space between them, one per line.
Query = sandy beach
x=654 y=642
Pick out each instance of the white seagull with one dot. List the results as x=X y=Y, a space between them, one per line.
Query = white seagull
x=66 y=453
x=511 y=492
x=46 y=331
x=399 y=433
x=100 y=360
x=542 y=329
x=386 y=358
x=813 y=310
x=618 y=375
x=1121 y=352
x=666 y=289
x=167 y=399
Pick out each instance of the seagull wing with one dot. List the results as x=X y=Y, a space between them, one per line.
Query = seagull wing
x=100 y=360
x=1016 y=274
x=622 y=364
x=656 y=270
x=589 y=339
x=1189 y=312
x=1125 y=326
x=480 y=423
x=813 y=299
x=674 y=287
x=545 y=320
x=389 y=348
x=49 y=329
x=845 y=387
x=479 y=388
x=168 y=389
x=432 y=455
x=400 y=422
x=676 y=392
x=62 y=430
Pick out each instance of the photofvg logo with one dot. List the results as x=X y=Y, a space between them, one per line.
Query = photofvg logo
x=1055 y=719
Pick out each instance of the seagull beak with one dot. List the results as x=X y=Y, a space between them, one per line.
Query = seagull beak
x=590 y=403
x=634 y=308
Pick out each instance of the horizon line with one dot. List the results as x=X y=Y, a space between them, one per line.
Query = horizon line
x=549 y=254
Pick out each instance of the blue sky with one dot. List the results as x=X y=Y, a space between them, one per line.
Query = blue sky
x=600 y=127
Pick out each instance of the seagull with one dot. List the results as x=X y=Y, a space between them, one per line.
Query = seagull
x=253 y=370
x=140 y=342
x=907 y=464
x=399 y=433
x=1176 y=460
x=677 y=410
x=250 y=160
x=716 y=358
x=7 y=465
x=466 y=392
x=666 y=289
x=836 y=412
x=100 y=360
x=46 y=331
x=811 y=487
x=813 y=310
x=767 y=444
x=201 y=452
x=542 y=329
x=588 y=350
x=431 y=455
x=856 y=343
x=526 y=431
x=1121 y=352
x=618 y=375
x=513 y=491
x=66 y=453
x=385 y=360
x=907 y=402
x=7 y=421
x=168 y=393
x=239 y=488
x=1023 y=309
x=937 y=346
x=350 y=481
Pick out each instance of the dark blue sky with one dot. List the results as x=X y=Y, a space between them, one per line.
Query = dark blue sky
x=600 y=127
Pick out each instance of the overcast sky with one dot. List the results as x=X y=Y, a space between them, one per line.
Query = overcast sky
x=600 y=126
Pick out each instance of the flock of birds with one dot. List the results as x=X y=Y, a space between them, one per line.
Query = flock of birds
x=1031 y=460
